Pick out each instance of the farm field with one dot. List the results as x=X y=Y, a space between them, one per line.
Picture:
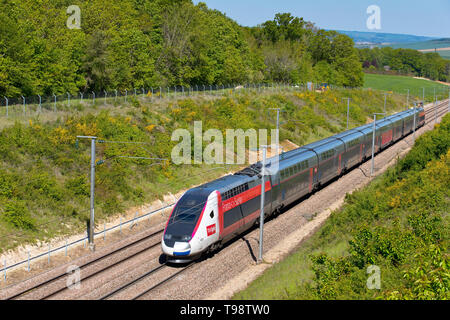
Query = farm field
x=400 y=84
x=422 y=45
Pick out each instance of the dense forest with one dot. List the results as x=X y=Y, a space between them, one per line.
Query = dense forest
x=406 y=62
x=142 y=43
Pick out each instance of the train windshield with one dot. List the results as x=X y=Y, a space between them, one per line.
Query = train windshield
x=189 y=208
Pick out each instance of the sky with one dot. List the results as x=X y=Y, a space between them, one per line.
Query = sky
x=416 y=17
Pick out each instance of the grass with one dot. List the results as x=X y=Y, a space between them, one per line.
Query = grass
x=398 y=222
x=445 y=54
x=400 y=84
x=431 y=44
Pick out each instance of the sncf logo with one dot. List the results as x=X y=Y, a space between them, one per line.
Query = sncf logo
x=210 y=230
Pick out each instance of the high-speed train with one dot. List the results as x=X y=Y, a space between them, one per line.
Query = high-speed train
x=207 y=216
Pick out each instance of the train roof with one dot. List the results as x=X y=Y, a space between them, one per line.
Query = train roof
x=302 y=153
x=225 y=183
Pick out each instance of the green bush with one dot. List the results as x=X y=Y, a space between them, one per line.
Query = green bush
x=16 y=213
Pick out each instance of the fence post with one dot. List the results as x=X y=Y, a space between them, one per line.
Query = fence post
x=81 y=94
x=6 y=106
x=115 y=99
x=54 y=106
x=106 y=94
x=49 y=253
x=24 y=105
x=40 y=103
x=160 y=93
x=104 y=231
x=93 y=97
x=134 y=220
x=4 y=268
x=68 y=99
x=66 y=247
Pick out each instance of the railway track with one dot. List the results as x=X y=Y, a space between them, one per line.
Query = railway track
x=57 y=284
x=147 y=289
x=431 y=114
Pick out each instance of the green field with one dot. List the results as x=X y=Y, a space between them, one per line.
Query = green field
x=431 y=44
x=400 y=84
x=445 y=54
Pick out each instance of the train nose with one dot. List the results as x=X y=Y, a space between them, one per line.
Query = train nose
x=181 y=249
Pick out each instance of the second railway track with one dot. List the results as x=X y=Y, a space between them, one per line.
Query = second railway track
x=35 y=288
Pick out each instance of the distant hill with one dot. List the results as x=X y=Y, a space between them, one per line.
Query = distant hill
x=442 y=46
x=396 y=41
x=377 y=38
x=423 y=45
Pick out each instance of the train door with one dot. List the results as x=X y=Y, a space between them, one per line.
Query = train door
x=211 y=221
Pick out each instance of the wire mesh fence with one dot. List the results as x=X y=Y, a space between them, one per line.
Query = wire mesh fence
x=33 y=105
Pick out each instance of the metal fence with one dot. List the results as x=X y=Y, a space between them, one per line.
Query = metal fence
x=29 y=106
x=67 y=245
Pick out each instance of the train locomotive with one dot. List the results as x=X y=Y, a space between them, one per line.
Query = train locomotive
x=207 y=216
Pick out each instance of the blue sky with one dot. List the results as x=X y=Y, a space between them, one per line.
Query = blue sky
x=417 y=17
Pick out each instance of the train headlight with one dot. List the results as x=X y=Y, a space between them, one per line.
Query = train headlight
x=167 y=236
x=186 y=238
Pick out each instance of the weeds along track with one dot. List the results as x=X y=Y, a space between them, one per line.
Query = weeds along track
x=52 y=285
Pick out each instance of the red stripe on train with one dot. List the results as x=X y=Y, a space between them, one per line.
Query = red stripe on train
x=244 y=197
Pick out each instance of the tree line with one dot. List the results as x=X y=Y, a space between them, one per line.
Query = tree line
x=406 y=62
x=148 y=43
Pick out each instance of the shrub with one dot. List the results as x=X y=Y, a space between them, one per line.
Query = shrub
x=16 y=213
